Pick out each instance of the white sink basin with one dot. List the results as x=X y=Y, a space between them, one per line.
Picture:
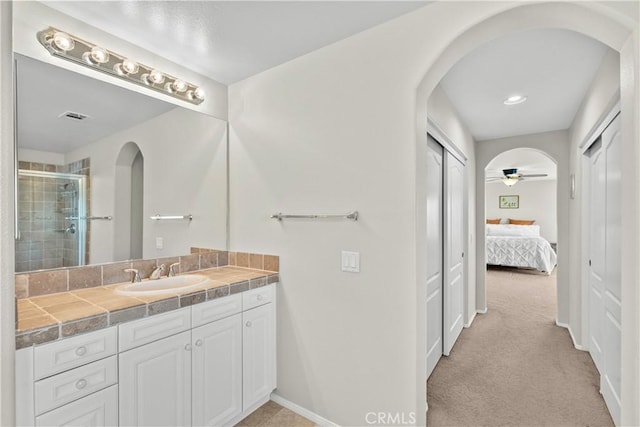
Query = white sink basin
x=166 y=285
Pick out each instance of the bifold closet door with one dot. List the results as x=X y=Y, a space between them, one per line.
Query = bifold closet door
x=434 y=253
x=604 y=273
x=454 y=218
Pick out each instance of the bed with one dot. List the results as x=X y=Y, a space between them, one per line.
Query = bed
x=519 y=246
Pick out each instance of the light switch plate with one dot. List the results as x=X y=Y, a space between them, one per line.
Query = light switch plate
x=351 y=261
x=159 y=243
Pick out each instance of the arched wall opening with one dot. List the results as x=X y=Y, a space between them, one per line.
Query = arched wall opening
x=537 y=200
x=618 y=33
x=128 y=203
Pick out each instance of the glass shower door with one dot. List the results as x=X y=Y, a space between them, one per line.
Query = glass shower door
x=51 y=225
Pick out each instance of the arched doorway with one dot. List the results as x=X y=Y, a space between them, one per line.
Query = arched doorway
x=128 y=203
x=620 y=35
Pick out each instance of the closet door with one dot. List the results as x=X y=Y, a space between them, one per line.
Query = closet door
x=453 y=250
x=434 y=253
x=604 y=274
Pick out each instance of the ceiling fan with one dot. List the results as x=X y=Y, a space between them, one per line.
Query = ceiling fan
x=512 y=176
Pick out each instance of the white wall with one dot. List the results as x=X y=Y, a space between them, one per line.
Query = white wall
x=37 y=156
x=602 y=95
x=537 y=201
x=184 y=173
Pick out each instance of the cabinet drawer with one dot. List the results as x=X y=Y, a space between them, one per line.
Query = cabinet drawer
x=71 y=385
x=216 y=309
x=257 y=297
x=97 y=410
x=144 y=331
x=71 y=352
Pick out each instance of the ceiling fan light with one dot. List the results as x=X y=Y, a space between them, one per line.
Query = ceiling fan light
x=510 y=181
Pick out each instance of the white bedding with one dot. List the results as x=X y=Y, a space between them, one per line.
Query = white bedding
x=529 y=250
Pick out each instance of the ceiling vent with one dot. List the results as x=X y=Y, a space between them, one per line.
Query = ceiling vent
x=73 y=115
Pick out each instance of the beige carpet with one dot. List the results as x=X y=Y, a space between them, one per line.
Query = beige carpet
x=514 y=366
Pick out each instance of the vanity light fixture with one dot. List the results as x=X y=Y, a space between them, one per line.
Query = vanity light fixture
x=71 y=48
x=515 y=99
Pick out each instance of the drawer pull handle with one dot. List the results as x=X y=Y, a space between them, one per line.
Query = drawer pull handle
x=199 y=343
x=260 y=297
x=187 y=347
x=81 y=351
x=80 y=384
x=248 y=323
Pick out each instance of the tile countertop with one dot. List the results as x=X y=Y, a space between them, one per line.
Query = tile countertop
x=50 y=317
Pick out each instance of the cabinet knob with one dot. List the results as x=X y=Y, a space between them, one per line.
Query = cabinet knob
x=187 y=347
x=248 y=323
x=260 y=297
x=80 y=384
x=199 y=342
x=81 y=351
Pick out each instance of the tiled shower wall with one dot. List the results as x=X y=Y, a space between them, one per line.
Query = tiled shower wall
x=43 y=204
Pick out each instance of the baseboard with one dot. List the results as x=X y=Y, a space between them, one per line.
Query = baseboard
x=483 y=311
x=573 y=338
x=473 y=317
x=302 y=411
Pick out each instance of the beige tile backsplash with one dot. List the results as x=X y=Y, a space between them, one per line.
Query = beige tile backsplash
x=32 y=284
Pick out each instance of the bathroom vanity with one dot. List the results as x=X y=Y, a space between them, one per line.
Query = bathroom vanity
x=211 y=362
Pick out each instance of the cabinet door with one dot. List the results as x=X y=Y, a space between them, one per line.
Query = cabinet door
x=155 y=383
x=96 y=410
x=258 y=354
x=217 y=371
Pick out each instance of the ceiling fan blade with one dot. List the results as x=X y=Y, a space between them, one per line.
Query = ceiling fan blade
x=494 y=178
x=534 y=175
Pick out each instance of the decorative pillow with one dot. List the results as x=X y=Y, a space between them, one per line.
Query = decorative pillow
x=493 y=221
x=521 y=221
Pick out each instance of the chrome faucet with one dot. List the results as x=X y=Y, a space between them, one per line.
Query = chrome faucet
x=172 y=269
x=135 y=278
x=157 y=272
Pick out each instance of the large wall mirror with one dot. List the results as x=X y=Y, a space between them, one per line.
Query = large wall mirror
x=97 y=161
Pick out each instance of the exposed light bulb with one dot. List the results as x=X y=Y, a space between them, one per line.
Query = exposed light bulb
x=156 y=77
x=129 y=66
x=179 y=85
x=63 y=41
x=198 y=93
x=99 y=55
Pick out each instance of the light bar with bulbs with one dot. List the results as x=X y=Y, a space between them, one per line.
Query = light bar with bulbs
x=71 y=48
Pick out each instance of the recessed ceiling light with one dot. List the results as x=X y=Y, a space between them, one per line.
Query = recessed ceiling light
x=515 y=99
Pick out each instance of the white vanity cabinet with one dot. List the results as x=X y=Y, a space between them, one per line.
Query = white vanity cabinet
x=258 y=356
x=210 y=364
x=71 y=382
x=217 y=372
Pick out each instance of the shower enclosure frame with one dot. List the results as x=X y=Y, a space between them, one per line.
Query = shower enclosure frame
x=81 y=217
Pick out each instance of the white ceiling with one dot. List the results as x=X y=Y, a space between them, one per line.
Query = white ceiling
x=526 y=160
x=232 y=40
x=46 y=91
x=552 y=67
